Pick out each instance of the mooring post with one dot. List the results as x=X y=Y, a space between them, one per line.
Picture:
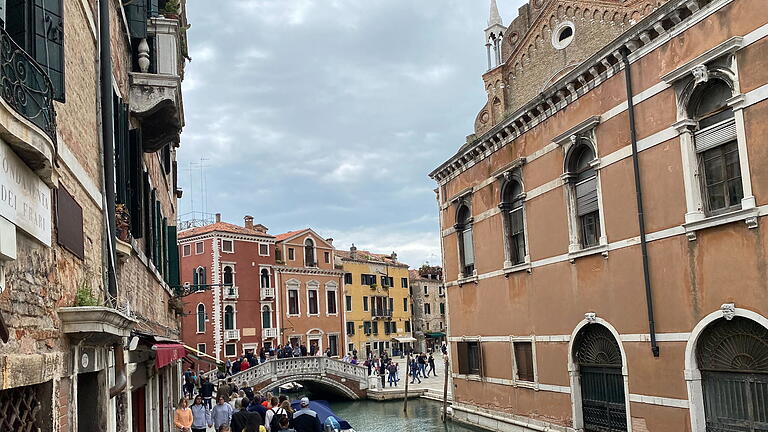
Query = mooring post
x=445 y=392
x=407 y=371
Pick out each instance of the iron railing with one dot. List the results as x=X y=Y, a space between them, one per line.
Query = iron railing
x=25 y=86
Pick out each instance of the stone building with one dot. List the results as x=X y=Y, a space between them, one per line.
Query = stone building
x=376 y=303
x=308 y=289
x=603 y=229
x=428 y=306
x=229 y=269
x=90 y=117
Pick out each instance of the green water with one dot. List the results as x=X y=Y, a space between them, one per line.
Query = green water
x=374 y=416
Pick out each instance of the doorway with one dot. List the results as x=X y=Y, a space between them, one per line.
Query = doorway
x=139 y=409
x=88 y=418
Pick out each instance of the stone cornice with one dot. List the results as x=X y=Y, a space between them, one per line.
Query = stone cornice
x=255 y=238
x=308 y=271
x=363 y=261
x=585 y=77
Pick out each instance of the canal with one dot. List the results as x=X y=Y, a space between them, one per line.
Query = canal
x=376 y=416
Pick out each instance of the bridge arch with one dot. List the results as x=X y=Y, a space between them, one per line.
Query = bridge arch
x=325 y=381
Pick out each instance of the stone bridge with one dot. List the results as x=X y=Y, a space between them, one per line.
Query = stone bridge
x=330 y=374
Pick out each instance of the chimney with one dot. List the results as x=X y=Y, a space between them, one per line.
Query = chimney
x=352 y=251
x=248 y=222
x=393 y=256
x=330 y=241
x=218 y=217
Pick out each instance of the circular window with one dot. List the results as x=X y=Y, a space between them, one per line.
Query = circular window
x=563 y=35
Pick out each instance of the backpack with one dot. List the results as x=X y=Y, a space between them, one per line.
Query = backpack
x=274 y=424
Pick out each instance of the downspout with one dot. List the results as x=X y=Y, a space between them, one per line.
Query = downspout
x=105 y=69
x=639 y=196
x=121 y=380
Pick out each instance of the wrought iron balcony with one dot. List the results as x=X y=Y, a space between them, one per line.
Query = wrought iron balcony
x=25 y=86
x=267 y=293
x=269 y=333
x=232 y=334
x=382 y=313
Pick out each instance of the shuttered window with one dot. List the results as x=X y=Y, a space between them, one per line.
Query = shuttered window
x=136 y=13
x=69 y=223
x=172 y=277
x=136 y=183
x=586 y=196
x=121 y=145
x=524 y=361
x=469 y=358
x=715 y=135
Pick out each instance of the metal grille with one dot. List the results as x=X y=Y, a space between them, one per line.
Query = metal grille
x=19 y=409
x=602 y=384
x=738 y=345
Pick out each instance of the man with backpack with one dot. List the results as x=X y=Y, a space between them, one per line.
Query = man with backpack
x=274 y=415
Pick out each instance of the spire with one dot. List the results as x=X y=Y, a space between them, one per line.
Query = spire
x=495 y=17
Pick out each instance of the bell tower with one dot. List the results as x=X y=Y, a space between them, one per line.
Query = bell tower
x=494 y=34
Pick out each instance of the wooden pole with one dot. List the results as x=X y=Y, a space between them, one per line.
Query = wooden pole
x=407 y=372
x=445 y=392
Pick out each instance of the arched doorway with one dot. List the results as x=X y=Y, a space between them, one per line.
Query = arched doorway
x=598 y=358
x=732 y=356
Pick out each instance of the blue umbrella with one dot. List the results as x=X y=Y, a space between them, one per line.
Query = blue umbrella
x=323 y=411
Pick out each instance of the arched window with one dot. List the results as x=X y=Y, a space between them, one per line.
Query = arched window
x=198 y=278
x=466 y=248
x=264 y=278
x=309 y=253
x=229 y=318
x=583 y=179
x=514 y=226
x=201 y=318
x=716 y=147
x=229 y=277
x=266 y=317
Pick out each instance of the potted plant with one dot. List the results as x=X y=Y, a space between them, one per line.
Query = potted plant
x=122 y=223
x=171 y=9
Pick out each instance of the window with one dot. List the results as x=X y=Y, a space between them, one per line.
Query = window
x=266 y=317
x=309 y=253
x=405 y=304
x=387 y=281
x=365 y=304
x=404 y=282
x=293 y=302
x=442 y=308
x=386 y=327
x=563 y=35
x=333 y=344
x=264 y=249
x=348 y=303
x=470 y=358
x=229 y=318
x=393 y=327
x=426 y=290
x=230 y=350
x=367 y=327
x=407 y=326
x=367 y=279
x=350 y=328
x=427 y=309
x=524 y=361
x=265 y=278
x=291 y=254
x=201 y=318
x=441 y=290
x=514 y=227
x=227 y=246
x=69 y=223
x=583 y=186
x=716 y=147
x=198 y=278
x=331 y=299
x=375 y=327
x=466 y=249
x=327 y=257
x=391 y=306
x=201 y=347
x=312 y=302
x=229 y=277
x=199 y=248
x=186 y=250
x=348 y=278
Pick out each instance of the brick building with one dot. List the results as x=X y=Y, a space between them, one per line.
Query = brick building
x=428 y=300
x=603 y=229
x=88 y=328
x=231 y=307
x=308 y=292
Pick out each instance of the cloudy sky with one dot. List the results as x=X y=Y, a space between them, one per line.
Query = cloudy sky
x=330 y=114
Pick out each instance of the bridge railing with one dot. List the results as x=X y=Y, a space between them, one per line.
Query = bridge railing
x=296 y=366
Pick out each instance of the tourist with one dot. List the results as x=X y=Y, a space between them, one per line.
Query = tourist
x=189 y=384
x=222 y=413
x=297 y=350
x=236 y=365
x=369 y=364
x=223 y=390
x=303 y=350
x=228 y=366
x=382 y=373
x=232 y=386
x=243 y=418
x=182 y=417
x=267 y=401
x=206 y=391
x=244 y=364
x=201 y=416
x=286 y=405
x=256 y=406
x=285 y=425
x=328 y=352
x=306 y=420
x=431 y=362
x=354 y=360
x=224 y=428
x=273 y=416
x=422 y=364
x=392 y=368
x=415 y=371
x=262 y=355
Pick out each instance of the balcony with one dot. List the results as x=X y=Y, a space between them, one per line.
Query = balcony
x=230 y=293
x=155 y=92
x=267 y=293
x=269 y=333
x=381 y=314
x=27 y=116
x=230 y=335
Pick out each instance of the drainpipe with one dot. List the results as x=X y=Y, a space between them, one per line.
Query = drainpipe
x=105 y=69
x=639 y=196
x=121 y=380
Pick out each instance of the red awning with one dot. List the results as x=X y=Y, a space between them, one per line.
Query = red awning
x=166 y=354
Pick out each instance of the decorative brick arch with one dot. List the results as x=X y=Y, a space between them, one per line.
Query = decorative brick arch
x=341 y=385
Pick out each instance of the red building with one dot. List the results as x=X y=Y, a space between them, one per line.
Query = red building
x=231 y=267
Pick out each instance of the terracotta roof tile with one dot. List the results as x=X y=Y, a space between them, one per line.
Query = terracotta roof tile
x=222 y=227
x=283 y=236
x=370 y=256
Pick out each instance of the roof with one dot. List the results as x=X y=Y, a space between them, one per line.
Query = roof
x=289 y=234
x=362 y=255
x=222 y=227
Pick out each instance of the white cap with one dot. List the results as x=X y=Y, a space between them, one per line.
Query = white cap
x=305 y=401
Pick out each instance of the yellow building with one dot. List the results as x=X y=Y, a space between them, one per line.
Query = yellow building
x=377 y=302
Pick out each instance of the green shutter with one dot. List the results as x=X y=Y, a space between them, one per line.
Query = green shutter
x=157 y=236
x=122 y=162
x=166 y=248
x=147 y=210
x=173 y=257
x=136 y=13
x=151 y=226
x=49 y=42
x=136 y=183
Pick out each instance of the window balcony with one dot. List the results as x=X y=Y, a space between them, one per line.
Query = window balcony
x=27 y=116
x=230 y=335
x=269 y=333
x=230 y=293
x=381 y=314
x=267 y=293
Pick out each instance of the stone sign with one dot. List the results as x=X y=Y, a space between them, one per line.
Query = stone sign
x=25 y=199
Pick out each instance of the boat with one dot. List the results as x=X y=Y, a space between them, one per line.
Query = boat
x=323 y=410
x=291 y=387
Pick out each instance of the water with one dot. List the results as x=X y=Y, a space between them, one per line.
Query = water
x=376 y=416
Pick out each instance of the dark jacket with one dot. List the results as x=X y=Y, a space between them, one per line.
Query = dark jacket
x=206 y=390
x=242 y=419
x=305 y=420
x=258 y=408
